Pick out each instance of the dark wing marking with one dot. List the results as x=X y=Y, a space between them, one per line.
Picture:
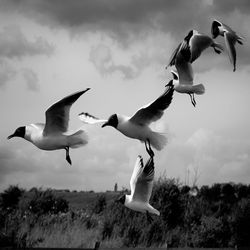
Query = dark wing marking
x=153 y=111
x=230 y=41
x=57 y=115
x=144 y=183
x=173 y=57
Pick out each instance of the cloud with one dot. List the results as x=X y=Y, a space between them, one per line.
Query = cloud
x=225 y=6
x=108 y=57
x=31 y=79
x=13 y=44
x=102 y=58
x=220 y=158
x=208 y=157
x=120 y=18
x=128 y=21
x=123 y=18
x=7 y=72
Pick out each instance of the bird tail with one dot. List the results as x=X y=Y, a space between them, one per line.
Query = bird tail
x=153 y=210
x=158 y=140
x=198 y=89
x=218 y=48
x=77 y=139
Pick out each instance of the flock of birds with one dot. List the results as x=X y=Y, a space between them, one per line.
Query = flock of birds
x=53 y=134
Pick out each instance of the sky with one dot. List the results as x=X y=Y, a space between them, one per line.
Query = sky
x=119 y=49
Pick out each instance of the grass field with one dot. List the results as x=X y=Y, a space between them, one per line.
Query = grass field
x=84 y=199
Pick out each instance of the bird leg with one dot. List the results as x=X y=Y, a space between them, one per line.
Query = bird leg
x=192 y=99
x=149 y=218
x=149 y=149
x=67 y=155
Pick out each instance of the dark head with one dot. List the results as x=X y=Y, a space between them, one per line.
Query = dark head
x=112 y=121
x=121 y=199
x=20 y=132
x=215 y=29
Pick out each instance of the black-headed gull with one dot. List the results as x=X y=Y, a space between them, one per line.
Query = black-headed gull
x=53 y=134
x=183 y=81
x=230 y=37
x=137 y=126
x=141 y=184
x=184 y=55
x=193 y=45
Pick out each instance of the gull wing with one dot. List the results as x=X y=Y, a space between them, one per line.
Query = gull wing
x=173 y=57
x=214 y=25
x=184 y=67
x=57 y=115
x=198 y=43
x=230 y=41
x=154 y=110
x=89 y=119
x=141 y=182
x=228 y=29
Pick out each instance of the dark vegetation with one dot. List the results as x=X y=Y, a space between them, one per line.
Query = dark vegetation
x=216 y=216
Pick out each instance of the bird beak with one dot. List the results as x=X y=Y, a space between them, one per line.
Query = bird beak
x=169 y=84
x=10 y=136
x=105 y=124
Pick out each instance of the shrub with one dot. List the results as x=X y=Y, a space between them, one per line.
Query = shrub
x=44 y=202
x=242 y=223
x=10 y=197
x=100 y=204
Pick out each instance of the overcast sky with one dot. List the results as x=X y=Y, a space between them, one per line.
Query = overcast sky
x=49 y=49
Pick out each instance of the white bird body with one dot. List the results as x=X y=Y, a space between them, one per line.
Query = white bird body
x=137 y=126
x=139 y=206
x=133 y=130
x=53 y=134
x=230 y=38
x=34 y=134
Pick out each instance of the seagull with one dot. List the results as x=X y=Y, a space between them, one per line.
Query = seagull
x=141 y=184
x=193 y=45
x=183 y=80
x=230 y=38
x=53 y=134
x=137 y=126
x=183 y=56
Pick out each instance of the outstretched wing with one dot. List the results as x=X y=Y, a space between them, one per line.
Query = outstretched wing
x=89 y=119
x=142 y=180
x=57 y=115
x=230 y=41
x=154 y=110
x=198 y=43
x=173 y=57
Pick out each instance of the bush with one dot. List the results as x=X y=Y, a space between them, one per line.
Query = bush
x=10 y=197
x=210 y=233
x=242 y=223
x=100 y=204
x=43 y=202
